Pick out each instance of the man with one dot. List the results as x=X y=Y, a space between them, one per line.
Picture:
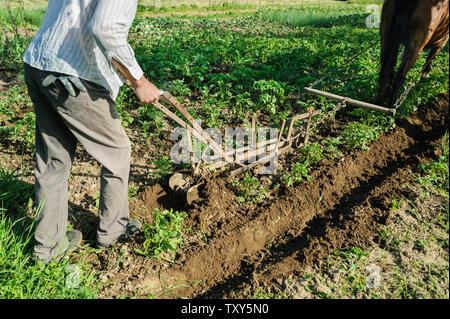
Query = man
x=74 y=68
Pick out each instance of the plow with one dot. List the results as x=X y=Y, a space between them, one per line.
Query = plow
x=253 y=154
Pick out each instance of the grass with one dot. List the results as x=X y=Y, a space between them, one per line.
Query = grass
x=31 y=17
x=20 y=276
x=319 y=17
x=189 y=6
x=14 y=194
x=29 y=4
x=264 y=293
x=435 y=175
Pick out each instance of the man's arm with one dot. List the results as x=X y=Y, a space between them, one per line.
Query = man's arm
x=110 y=24
x=145 y=91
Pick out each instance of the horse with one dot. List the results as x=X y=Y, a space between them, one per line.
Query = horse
x=417 y=25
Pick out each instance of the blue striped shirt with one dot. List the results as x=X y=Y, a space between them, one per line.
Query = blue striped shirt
x=80 y=38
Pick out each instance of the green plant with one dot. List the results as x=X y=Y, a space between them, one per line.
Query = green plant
x=374 y=119
x=312 y=153
x=331 y=147
x=354 y=252
x=266 y=293
x=165 y=234
x=163 y=167
x=20 y=276
x=271 y=95
x=313 y=16
x=243 y=106
x=13 y=192
x=249 y=189
x=298 y=173
x=356 y=135
x=124 y=101
x=149 y=117
x=435 y=175
x=132 y=192
x=395 y=204
x=96 y=199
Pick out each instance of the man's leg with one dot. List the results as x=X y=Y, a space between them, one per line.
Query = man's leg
x=92 y=118
x=98 y=128
x=55 y=147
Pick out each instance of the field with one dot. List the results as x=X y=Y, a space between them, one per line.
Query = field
x=362 y=211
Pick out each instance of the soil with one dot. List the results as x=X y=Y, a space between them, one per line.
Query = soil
x=232 y=248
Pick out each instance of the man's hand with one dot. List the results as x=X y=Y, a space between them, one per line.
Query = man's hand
x=146 y=91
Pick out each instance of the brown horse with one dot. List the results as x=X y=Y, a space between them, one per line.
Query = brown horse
x=416 y=24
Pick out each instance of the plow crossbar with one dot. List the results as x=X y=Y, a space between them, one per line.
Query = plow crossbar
x=352 y=101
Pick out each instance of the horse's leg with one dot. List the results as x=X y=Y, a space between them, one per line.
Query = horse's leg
x=434 y=51
x=384 y=80
x=408 y=61
x=430 y=58
x=388 y=52
x=438 y=40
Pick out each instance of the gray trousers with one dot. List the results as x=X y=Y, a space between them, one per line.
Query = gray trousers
x=90 y=118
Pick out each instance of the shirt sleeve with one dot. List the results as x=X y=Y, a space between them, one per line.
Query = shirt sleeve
x=110 y=25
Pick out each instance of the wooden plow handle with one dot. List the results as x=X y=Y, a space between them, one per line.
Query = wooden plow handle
x=196 y=130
